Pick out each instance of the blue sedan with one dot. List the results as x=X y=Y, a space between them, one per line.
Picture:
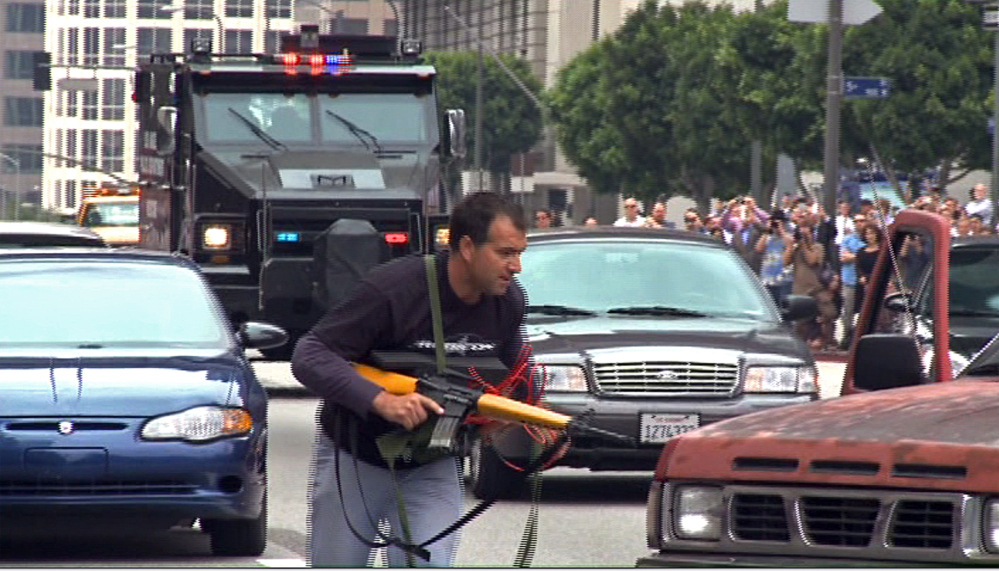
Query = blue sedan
x=125 y=396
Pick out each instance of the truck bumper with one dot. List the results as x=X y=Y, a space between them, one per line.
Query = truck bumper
x=283 y=295
x=695 y=559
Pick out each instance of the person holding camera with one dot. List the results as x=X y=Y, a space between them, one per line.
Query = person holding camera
x=807 y=256
x=770 y=247
x=744 y=223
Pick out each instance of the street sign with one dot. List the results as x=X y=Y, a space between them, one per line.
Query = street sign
x=866 y=87
x=855 y=12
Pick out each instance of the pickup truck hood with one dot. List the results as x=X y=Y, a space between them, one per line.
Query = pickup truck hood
x=582 y=334
x=941 y=436
x=85 y=387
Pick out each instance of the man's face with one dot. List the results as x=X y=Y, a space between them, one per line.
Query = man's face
x=659 y=212
x=980 y=191
x=631 y=209
x=844 y=208
x=493 y=264
x=542 y=219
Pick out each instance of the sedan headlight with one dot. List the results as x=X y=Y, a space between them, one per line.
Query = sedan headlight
x=991 y=525
x=566 y=378
x=217 y=237
x=698 y=512
x=199 y=424
x=780 y=380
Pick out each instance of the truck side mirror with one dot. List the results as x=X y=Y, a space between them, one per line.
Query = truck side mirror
x=887 y=361
x=455 y=133
x=166 y=116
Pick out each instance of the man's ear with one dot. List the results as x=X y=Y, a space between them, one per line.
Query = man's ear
x=466 y=248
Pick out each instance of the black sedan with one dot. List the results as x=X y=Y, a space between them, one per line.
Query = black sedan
x=657 y=332
x=125 y=397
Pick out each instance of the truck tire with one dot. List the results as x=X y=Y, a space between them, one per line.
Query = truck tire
x=238 y=537
x=489 y=476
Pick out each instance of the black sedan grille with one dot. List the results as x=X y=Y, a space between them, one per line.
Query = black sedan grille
x=26 y=488
x=673 y=378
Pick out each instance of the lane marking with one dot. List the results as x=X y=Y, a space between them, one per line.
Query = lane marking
x=285 y=563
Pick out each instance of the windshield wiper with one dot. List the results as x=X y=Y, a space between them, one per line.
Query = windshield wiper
x=983 y=370
x=558 y=310
x=357 y=131
x=260 y=133
x=657 y=310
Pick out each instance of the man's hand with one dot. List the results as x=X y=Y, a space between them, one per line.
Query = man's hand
x=409 y=410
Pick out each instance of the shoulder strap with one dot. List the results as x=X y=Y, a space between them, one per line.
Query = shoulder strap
x=435 y=310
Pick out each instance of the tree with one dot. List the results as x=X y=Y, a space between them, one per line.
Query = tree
x=511 y=122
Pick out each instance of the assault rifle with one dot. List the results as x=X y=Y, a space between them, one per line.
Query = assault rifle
x=459 y=400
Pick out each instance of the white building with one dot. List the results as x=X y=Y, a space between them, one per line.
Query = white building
x=95 y=45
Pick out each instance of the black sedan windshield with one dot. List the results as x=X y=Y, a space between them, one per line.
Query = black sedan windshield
x=642 y=277
x=90 y=304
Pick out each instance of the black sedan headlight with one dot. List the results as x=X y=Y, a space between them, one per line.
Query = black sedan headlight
x=199 y=424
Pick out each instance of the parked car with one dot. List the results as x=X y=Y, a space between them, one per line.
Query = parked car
x=656 y=331
x=46 y=234
x=125 y=397
x=900 y=471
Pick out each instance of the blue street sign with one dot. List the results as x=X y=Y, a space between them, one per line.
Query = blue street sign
x=866 y=87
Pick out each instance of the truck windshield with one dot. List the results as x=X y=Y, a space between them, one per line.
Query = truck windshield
x=362 y=119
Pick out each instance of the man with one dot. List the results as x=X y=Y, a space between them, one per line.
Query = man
x=542 y=218
x=844 y=221
x=658 y=218
x=482 y=309
x=631 y=217
x=980 y=204
x=848 y=248
x=744 y=223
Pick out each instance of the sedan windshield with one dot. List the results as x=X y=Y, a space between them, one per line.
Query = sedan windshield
x=92 y=304
x=632 y=277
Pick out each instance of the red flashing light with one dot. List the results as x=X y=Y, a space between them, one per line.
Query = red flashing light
x=317 y=60
x=291 y=59
x=397 y=238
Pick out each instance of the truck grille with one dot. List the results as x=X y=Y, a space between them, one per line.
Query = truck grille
x=674 y=378
x=757 y=517
x=922 y=525
x=872 y=523
x=847 y=522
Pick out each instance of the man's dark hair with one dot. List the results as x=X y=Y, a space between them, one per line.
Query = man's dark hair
x=475 y=213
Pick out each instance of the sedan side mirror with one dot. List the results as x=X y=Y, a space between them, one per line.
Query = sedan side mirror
x=257 y=335
x=798 y=307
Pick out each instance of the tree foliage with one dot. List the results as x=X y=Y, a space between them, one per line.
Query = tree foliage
x=511 y=122
x=670 y=103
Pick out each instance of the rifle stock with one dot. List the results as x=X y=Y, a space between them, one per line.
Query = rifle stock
x=489 y=405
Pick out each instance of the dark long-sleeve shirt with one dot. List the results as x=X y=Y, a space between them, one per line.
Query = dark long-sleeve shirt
x=390 y=311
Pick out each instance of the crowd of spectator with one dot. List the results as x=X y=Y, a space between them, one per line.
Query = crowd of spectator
x=798 y=248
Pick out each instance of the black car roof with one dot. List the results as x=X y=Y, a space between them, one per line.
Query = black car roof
x=986 y=240
x=564 y=232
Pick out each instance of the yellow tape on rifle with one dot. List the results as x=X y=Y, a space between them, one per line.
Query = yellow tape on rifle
x=493 y=406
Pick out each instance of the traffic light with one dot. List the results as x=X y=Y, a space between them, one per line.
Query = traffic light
x=42 y=78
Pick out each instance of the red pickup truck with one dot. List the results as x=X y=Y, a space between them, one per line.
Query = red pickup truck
x=902 y=469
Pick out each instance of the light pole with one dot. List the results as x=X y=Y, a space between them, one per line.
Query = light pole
x=834 y=100
x=17 y=183
x=990 y=21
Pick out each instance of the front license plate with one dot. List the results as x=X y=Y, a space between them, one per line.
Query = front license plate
x=657 y=428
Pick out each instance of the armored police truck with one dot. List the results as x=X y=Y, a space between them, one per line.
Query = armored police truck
x=286 y=176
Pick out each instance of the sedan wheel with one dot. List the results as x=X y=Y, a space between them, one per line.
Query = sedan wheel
x=238 y=537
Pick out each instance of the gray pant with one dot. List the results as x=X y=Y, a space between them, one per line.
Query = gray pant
x=433 y=500
x=849 y=308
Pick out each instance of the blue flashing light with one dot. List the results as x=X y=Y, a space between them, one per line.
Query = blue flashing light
x=288 y=237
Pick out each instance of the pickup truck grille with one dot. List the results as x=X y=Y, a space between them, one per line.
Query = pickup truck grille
x=673 y=378
x=847 y=519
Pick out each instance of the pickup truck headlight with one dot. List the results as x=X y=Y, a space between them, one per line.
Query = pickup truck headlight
x=991 y=525
x=199 y=424
x=698 y=512
x=566 y=378
x=780 y=380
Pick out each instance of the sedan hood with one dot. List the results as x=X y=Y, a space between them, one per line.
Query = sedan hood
x=105 y=387
x=584 y=334
x=943 y=435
